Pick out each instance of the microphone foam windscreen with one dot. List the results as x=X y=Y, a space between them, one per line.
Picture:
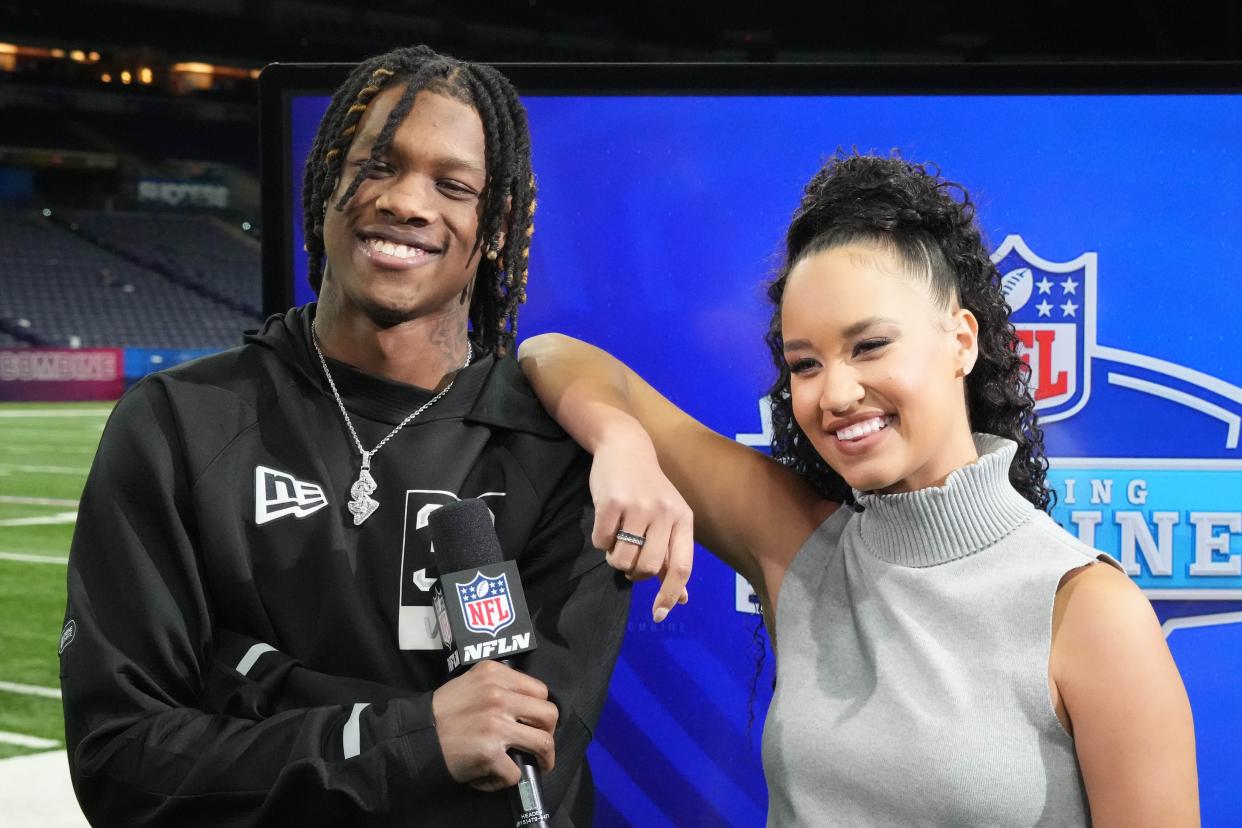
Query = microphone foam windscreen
x=463 y=536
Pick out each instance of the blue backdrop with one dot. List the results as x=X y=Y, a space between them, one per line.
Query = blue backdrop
x=1112 y=218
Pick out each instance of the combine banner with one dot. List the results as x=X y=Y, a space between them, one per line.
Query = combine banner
x=82 y=374
x=1168 y=509
x=49 y=374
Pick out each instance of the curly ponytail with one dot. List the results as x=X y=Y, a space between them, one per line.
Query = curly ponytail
x=929 y=223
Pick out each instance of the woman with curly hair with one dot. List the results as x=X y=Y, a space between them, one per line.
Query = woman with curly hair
x=946 y=653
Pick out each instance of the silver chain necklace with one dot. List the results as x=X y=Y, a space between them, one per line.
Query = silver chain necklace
x=362 y=506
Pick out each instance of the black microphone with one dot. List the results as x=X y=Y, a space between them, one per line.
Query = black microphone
x=482 y=613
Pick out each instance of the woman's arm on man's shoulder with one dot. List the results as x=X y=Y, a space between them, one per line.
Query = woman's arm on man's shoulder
x=660 y=473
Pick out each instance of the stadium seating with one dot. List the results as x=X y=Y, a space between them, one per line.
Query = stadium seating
x=7 y=341
x=61 y=290
x=198 y=251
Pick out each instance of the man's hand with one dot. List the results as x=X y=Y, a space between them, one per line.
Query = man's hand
x=632 y=495
x=486 y=711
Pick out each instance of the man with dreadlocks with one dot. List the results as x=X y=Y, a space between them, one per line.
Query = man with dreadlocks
x=249 y=636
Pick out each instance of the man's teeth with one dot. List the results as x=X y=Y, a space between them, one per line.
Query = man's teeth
x=859 y=430
x=401 y=251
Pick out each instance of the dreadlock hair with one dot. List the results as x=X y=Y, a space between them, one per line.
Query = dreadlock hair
x=929 y=224
x=509 y=192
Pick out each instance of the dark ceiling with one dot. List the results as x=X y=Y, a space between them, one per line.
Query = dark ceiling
x=255 y=32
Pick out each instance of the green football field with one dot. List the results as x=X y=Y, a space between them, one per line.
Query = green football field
x=45 y=453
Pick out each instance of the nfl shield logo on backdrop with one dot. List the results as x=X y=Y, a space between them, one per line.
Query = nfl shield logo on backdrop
x=1053 y=309
x=485 y=604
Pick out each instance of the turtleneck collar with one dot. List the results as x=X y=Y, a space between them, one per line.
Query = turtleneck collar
x=976 y=506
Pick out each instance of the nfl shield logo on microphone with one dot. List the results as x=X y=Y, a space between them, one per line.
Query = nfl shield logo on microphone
x=485 y=604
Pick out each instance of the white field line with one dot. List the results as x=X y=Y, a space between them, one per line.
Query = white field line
x=44 y=469
x=30 y=689
x=22 y=740
x=36 y=449
x=20 y=413
x=42 y=520
x=37 y=501
x=25 y=557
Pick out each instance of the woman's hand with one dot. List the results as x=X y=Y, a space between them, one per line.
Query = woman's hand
x=751 y=512
x=633 y=497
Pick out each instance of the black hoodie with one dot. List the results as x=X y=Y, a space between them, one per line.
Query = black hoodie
x=238 y=652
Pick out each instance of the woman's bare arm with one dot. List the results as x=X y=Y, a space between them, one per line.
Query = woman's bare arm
x=750 y=511
x=1126 y=704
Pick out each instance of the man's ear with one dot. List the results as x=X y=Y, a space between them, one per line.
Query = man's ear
x=966 y=339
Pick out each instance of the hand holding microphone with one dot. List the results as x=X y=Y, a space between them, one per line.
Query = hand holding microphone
x=484 y=712
x=495 y=724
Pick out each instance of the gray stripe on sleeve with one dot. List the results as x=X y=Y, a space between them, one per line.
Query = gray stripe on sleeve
x=351 y=737
x=252 y=655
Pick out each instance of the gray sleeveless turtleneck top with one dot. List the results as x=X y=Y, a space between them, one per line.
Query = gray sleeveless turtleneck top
x=912 y=672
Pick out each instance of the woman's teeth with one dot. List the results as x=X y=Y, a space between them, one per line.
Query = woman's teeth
x=401 y=251
x=860 y=430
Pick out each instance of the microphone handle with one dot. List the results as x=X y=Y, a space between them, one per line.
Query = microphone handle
x=526 y=797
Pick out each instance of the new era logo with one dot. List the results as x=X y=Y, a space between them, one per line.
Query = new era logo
x=277 y=494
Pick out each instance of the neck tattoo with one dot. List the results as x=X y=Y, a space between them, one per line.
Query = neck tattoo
x=362 y=505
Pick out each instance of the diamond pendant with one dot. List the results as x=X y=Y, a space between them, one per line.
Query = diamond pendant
x=363 y=506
